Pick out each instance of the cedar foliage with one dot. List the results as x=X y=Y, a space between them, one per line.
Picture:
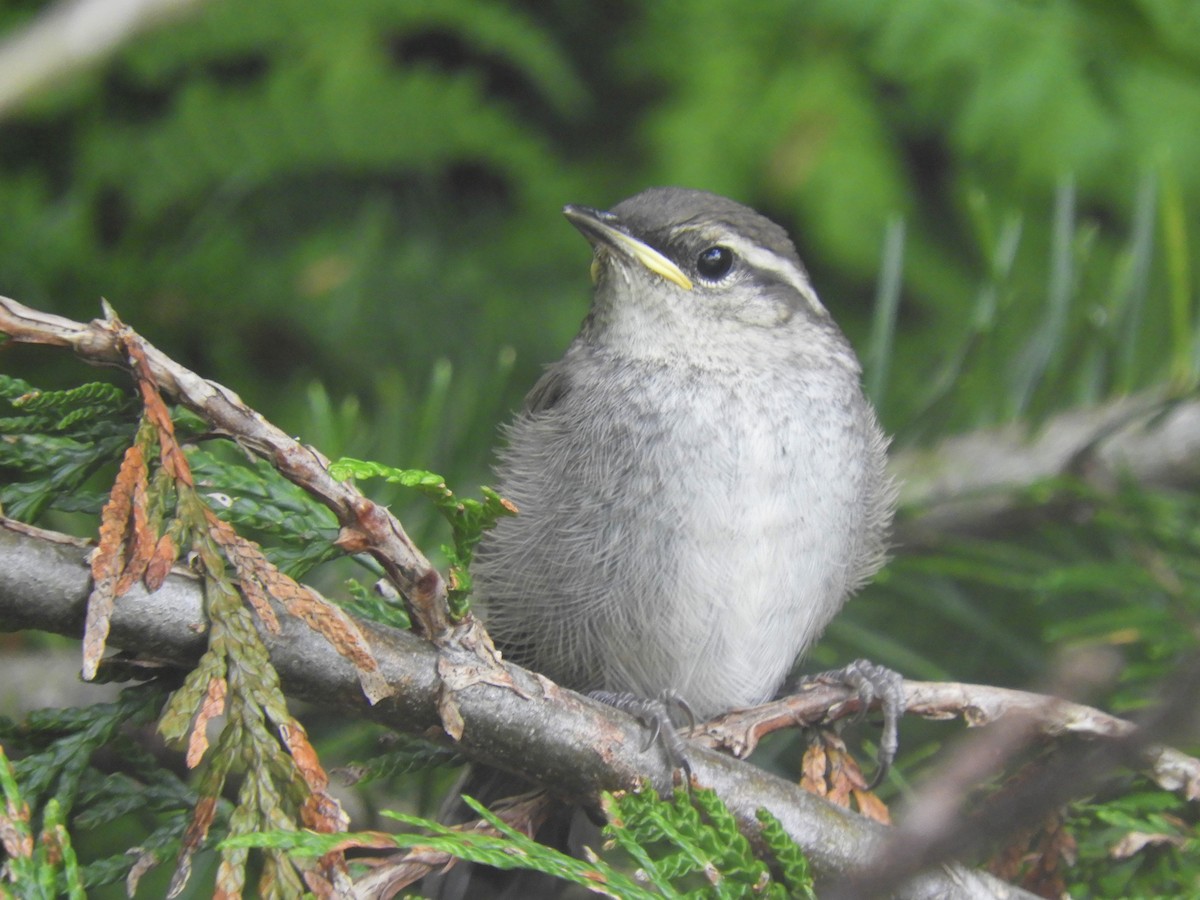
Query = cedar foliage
x=348 y=213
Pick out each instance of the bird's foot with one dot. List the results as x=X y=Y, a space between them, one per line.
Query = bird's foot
x=872 y=682
x=655 y=713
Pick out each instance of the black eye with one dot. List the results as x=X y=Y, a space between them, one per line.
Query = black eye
x=714 y=263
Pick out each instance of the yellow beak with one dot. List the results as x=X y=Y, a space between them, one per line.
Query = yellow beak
x=604 y=229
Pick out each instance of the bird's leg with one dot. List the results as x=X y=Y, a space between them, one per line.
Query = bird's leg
x=655 y=713
x=871 y=682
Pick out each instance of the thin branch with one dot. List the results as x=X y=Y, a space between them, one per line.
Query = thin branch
x=568 y=743
x=942 y=822
x=366 y=526
x=977 y=482
x=71 y=36
x=398 y=869
x=1050 y=717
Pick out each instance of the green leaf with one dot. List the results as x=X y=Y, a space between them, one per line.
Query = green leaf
x=468 y=518
x=405 y=755
x=297 y=532
x=692 y=843
x=792 y=863
x=58 y=776
x=369 y=604
x=55 y=441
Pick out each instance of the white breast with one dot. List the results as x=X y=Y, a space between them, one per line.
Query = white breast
x=698 y=538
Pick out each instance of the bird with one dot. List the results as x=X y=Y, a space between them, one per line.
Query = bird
x=700 y=484
x=700 y=480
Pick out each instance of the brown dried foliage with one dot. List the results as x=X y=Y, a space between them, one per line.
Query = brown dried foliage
x=1038 y=859
x=109 y=563
x=213 y=706
x=828 y=770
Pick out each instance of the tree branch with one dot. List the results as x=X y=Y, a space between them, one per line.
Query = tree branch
x=1038 y=714
x=582 y=747
x=975 y=483
x=366 y=526
x=71 y=36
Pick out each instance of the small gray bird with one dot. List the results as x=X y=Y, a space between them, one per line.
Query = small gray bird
x=700 y=478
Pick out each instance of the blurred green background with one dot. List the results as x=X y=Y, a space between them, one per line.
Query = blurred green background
x=349 y=213
x=299 y=192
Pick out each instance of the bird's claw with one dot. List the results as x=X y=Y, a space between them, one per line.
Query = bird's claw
x=873 y=682
x=655 y=713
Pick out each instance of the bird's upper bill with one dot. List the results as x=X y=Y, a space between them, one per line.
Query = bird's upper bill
x=603 y=229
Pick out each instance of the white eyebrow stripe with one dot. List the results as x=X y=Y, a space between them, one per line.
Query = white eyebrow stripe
x=784 y=269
